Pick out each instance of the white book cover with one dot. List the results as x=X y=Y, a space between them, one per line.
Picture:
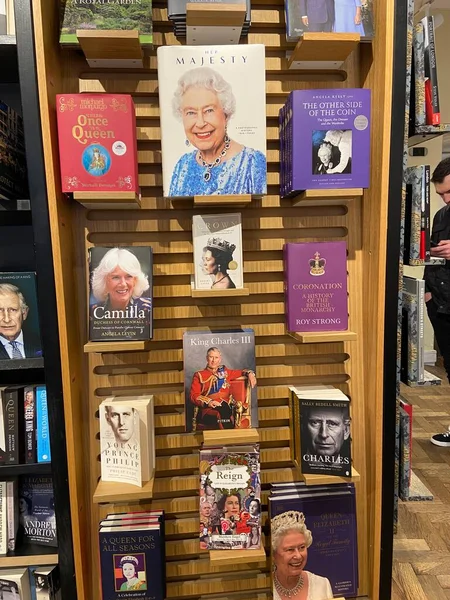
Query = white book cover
x=3 y=519
x=120 y=443
x=15 y=584
x=13 y=512
x=213 y=120
x=217 y=241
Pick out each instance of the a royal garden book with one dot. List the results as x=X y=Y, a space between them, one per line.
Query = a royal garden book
x=230 y=498
x=218 y=262
x=316 y=286
x=120 y=293
x=220 y=379
x=104 y=16
x=97 y=143
x=37 y=520
x=328 y=140
x=213 y=128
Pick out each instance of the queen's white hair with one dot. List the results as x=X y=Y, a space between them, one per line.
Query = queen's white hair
x=204 y=77
x=128 y=262
x=9 y=288
x=286 y=528
x=333 y=136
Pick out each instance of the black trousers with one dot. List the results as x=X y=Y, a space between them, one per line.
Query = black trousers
x=326 y=27
x=441 y=327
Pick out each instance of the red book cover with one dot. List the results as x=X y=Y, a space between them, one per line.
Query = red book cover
x=432 y=117
x=97 y=143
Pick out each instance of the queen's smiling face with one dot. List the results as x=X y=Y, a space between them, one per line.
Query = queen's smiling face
x=203 y=118
x=291 y=555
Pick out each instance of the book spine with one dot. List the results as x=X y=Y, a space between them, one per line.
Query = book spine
x=407 y=237
x=422 y=217
x=286 y=284
x=433 y=115
x=408 y=408
x=42 y=429
x=3 y=519
x=12 y=513
x=420 y=287
x=10 y=413
x=427 y=215
x=405 y=458
x=30 y=424
x=419 y=74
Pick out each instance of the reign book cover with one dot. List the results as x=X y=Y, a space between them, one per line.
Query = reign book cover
x=213 y=128
x=37 y=510
x=230 y=498
x=97 y=143
x=316 y=286
x=218 y=262
x=220 y=379
x=120 y=293
x=101 y=15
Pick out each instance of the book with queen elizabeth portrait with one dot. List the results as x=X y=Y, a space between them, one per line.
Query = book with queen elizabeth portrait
x=213 y=128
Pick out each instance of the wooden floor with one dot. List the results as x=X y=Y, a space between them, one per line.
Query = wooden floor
x=421 y=569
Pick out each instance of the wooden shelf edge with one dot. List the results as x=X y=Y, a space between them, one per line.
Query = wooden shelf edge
x=231 y=557
x=326 y=197
x=324 y=48
x=211 y=14
x=311 y=337
x=111 y=48
x=125 y=346
x=109 y=492
x=219 y=293
x=235 y=200
x=310 y=479
x=28 y=561
x=230 y=437
x=108 y=200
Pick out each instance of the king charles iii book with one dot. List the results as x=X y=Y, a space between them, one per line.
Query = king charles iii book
x=97 y=143
x=316 y=286
x=213 y=128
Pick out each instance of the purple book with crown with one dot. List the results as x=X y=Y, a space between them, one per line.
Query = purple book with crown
x=316 y=286
x=330 y=132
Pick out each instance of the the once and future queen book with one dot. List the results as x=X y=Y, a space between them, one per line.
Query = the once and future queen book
x=316 y=286
x=213 y=128
x=217 y=241
x=220 y=379
x=120 y=293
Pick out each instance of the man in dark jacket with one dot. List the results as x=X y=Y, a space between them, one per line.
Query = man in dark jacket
x=317 y=15
x=437 y=278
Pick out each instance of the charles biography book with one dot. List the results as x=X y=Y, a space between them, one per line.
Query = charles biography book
x=97 y=143
x=325 y=137
x=327 y=514
x=316 y=286
x=220 y=379
x=104 y=15
x=230 y=498
x=37 y=510
x=213 y=129
x=323 y=430
x=218 y=262
x=120 y=293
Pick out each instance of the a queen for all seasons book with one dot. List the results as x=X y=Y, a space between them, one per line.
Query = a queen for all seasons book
x=105 y=15
x=217 y=241
x=230 y=498
x=316 y=286
x=328 y=140
x=97 y=143
x=120 y=293
x=213 y=128
x=220 y=380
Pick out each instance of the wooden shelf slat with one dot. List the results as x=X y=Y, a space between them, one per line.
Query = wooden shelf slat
x=108 y=200
x=326 y=197
x=330 y=479
x=230 y=437
x=30 y=554
x=324 y=48
x=236 y=200
x=124 y=346
x=219 y=558
x=109 y=491
x=314 y=337
x=219 y=293
x=111 y=48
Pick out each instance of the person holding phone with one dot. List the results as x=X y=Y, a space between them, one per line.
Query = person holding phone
x=437 y=278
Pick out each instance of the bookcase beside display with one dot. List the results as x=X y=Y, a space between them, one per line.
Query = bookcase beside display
x=323 y=50
x=330 y=479
x=111 y=49
x=220 y=558
x=218 y=437
x=108 y=200
x=210 y=23
x=315 y=337
x=326 y=197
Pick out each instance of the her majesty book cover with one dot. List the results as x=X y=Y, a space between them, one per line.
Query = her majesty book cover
x=316 y=286
x=218 y=262
x=213 y=128
x=329 y=139
x=120 y=293
x=97 y=143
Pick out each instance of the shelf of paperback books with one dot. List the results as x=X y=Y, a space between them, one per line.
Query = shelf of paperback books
x=27 y=469
x=30 y=554
x=326 y=197
x=220 y=293
x=212 y=23
x=330 y=479
x=125 y=346
x=108 y=200
x=233 y=437
x=316 y=337
x=108 y=491
x=229 y=200
x=111 y=49
x=220 y=558
x=323 y=50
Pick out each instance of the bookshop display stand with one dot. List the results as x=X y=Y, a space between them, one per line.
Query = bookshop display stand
x=356 y=366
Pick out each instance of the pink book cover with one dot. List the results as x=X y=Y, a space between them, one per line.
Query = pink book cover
x=316 y=286
x=97 y=143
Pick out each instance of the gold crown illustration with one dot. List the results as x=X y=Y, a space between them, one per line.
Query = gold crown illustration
x=317 y=265
x=221 y=245
x=286 y=520
x=131 y=559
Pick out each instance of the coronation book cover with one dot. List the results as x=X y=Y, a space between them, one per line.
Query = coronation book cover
x=120 y=293
x=213 y=128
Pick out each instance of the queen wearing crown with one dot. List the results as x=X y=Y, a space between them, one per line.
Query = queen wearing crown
x=129 y=566
x=217 y=258
x=290 y=542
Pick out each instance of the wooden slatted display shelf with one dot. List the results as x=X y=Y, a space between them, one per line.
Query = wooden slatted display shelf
x=326 y=197
x=330 y=479
x=129 y=346
x=234 y=201
x=109 y=491
x=323 y=50
x=314 y=337
x=211 y=23
x=111 y=49
x=108 y=200
x=227 y=437
x=219 y=558
x=220 y=293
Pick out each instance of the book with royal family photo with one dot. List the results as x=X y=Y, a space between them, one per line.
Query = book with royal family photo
x=213 y=128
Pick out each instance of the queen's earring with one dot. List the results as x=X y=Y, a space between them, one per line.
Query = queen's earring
x=187 y=142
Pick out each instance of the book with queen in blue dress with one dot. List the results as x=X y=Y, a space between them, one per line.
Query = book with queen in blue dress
x=213 y=126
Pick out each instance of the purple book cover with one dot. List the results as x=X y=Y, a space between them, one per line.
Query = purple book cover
x=316 y=286
x=331 y=519
x=331 y=139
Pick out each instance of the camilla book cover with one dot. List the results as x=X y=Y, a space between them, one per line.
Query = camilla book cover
x=217 y=241
x=220 y=379
x=213 y=128
x=101 y=15
x=230 y=498
x=329 y=139
x=316 y=286
x=120 y=293
x=37 y=510
x=97 y=143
